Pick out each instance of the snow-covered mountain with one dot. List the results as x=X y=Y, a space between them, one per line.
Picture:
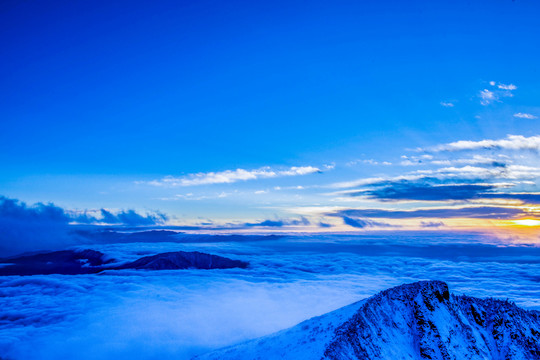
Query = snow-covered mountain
x=421 y=320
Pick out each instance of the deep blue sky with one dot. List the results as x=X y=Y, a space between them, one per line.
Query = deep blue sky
x=96 y=97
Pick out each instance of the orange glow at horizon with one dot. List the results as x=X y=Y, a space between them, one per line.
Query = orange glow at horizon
x=527 y=222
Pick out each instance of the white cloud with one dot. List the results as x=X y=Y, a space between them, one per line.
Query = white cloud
x=414 y=160
x=511 y=142
x=507 y=87
x=525 y=116
x=366 y=161
x=447 y=104
x=475 y=160
x=374 y=180
x=180 y=314
x=468 y=172
x=231 y=176
x=301 y=170
x=509 y=172
x=408 y=163
x=487 y=97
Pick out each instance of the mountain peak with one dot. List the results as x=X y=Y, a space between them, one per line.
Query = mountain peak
x=427 y=290
x=422 y=321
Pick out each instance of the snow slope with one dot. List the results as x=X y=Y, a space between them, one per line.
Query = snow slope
x=304 y=341
x=414 y=321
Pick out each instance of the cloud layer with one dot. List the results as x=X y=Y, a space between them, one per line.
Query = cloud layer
x=171 y=314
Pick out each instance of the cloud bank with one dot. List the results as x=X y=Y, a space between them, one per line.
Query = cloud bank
x=47 y=226
x=149 y=315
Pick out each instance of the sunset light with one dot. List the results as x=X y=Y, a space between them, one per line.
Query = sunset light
x=527 y=222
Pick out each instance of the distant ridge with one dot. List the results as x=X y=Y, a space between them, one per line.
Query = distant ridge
x=73 y=262
x=415 y=321
x=183 y=260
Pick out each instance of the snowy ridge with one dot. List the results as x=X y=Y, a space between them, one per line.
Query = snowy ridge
x=304 y=341
x=414 y=321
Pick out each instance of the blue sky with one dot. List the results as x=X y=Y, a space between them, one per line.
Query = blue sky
x=241 y=112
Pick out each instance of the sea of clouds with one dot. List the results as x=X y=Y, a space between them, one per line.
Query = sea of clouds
x=182 y=313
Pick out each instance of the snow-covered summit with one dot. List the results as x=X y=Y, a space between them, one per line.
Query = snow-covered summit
x=421 y=320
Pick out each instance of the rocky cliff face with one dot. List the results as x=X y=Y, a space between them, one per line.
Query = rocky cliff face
x=413 y=321
x=423 y=321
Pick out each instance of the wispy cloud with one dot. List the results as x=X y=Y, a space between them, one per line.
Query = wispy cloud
x=475 y=160
x=487 y=97
x=501 y=90
x=424 y=191
x=367 y=162
x=364 y=223
x=279 y=223
x=447 y=104
x=509 y=172
x=511 y=142
x=507 y=86
x=490 y=179
x=478 y=212
x=431 y=224
x=231 y=176
x=525 y=116
x=441 y=177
